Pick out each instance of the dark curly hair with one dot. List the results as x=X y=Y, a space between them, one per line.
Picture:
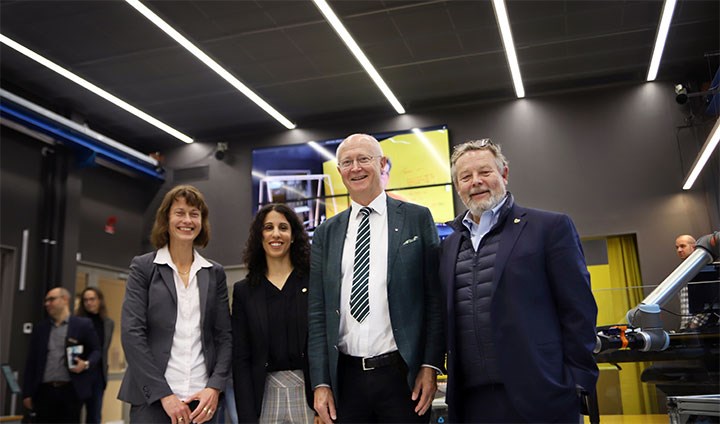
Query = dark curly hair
x=254 y=257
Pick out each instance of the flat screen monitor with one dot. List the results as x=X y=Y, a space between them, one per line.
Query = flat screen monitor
x=305 y=176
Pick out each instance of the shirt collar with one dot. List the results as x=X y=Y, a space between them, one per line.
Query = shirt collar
x=163 y=257
x=468 y=221
x=379 y=205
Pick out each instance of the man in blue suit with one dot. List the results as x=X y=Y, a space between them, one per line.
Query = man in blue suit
x=56 y=385
x=520 y=313
x=375 y=336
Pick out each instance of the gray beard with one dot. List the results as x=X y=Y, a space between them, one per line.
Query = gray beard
x=478 y=208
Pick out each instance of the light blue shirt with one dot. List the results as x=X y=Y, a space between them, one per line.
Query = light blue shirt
x=487 y=220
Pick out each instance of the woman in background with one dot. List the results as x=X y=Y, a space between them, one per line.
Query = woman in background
x=92 y=305
x=176 y=320
x=270 y=367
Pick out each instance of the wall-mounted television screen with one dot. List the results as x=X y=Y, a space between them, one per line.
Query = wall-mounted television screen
x=305 y=176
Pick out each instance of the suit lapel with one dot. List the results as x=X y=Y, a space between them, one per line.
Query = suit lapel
x=336 y=242
x=259 y=305
x=513 y=226
x=167 y=276
x=203 y=281
x=395 y=213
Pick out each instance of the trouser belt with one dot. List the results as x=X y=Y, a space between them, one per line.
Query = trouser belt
x=379 y=361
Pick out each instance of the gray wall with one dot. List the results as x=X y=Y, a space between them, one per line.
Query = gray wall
x=610 y=158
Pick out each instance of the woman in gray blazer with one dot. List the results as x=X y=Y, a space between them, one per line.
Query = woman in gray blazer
x=176 y=320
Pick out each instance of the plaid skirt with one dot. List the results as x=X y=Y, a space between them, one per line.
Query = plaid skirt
x=284 y=400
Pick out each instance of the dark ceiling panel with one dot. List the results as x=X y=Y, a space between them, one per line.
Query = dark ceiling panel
x=430 y=53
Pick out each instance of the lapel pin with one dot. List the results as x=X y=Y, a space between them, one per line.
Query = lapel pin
x=304 y=289
x=396 y=230
x=516 y=220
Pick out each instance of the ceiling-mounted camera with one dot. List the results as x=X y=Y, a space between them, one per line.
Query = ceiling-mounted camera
x=681 y=95
x=221 y=150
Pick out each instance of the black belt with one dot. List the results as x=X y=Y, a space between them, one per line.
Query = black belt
x=56 y=383
x=380 y=361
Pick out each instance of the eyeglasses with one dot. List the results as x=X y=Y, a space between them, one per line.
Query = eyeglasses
x=361 y=160
x=50 y=298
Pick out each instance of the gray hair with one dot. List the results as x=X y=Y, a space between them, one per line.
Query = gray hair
x=472 y=145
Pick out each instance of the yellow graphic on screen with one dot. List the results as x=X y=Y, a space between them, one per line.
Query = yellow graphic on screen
x=418 y=171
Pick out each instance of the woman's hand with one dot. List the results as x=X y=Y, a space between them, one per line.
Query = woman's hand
x=208 y=400
x=176 y=409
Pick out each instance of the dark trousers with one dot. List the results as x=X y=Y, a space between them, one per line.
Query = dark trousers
x=154 y=413
x=491 y=404
x=93 y=405
x=380 y=395
x=57 y=404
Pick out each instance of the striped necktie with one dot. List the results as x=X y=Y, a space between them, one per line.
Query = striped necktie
x=359 y=302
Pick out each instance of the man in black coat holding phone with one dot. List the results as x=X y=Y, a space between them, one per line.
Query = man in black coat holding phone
x=62 y=361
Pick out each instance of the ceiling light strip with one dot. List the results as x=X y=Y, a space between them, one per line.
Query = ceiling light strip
x=663 y=29
x=358 y=53
x=504 y=23
x=204 y=58
x=94 y=88
x=708 y=148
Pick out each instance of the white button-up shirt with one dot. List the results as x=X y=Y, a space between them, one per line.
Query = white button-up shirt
x=374 y=335
x=186 y=373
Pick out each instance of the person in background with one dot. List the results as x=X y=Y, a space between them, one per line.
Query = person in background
x=57 y=380
x=92 y=305
x=176 y=319
x=385 y=181
x=521 y=317
x=375 y=315
x=269 y=317
x=684 y=246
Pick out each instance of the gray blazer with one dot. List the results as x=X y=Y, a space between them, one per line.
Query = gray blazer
x=413 y=287
x=148 y=326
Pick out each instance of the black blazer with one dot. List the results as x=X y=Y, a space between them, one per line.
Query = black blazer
x=251 y=340
x=80 y=331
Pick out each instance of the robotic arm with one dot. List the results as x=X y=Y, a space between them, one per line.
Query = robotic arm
x=646 y=316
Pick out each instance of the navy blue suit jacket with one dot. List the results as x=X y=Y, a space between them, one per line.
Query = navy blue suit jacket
x=79 y=329
x=543 y=313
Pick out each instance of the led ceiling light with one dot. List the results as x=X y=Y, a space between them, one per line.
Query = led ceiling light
x=710 y=144
x=204 y=58
x=359 y=55
x=507 y=39
x=667 y=14
x=94 y=88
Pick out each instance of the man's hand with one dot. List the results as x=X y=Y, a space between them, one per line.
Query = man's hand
x=178 y=411
x=80 y=366
x=208 y=398
x=425 y=388
x=324 y=404
x=27 y=403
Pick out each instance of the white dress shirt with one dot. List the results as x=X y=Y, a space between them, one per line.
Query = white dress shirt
x=186 y=373
x=374 y=335
x=487 y=220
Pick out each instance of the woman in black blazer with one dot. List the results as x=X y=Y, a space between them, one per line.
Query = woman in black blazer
x=269 y=321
